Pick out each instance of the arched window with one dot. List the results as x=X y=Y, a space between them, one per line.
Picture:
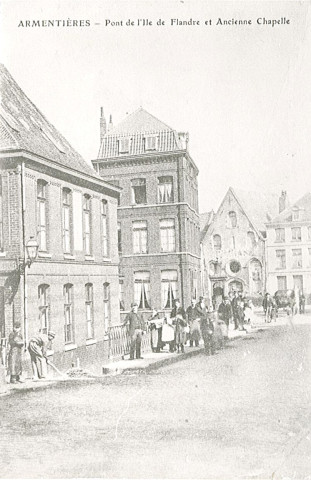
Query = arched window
x=233 y=219
x=89 y=310
x=44 y=307
x=251 y=240
x=66 y=219
x=68 y=313
x=217 y=242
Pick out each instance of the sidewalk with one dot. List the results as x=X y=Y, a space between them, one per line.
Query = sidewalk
x=151 y=361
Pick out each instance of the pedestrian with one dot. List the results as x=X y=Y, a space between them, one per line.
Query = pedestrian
x=179 y=317
x=240 y=314
x=155 y=321
x=234 y=306
x=207 y=327
x=16 y=343
x=194 y=324
x=38 y=348
x=302 y=302
x=168 y=333
x=225 y=315
x=136 y=331
x=267 y=307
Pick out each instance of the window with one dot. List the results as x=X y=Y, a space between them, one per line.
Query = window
x=167 y=235
x=280 y=235
x=121 y=294
x=119 y=239
x=168 y=288
x=235 y=266
x=104 y=229
x=282 y=283
x=68 y=312
x=142 y=289
x=280 y=259
x=296 y=234
x=41 y=215
x=43 y=294
x=66 y=218
x=255 y=271
x=232 y=242
x=139 y=236
x=151 y=142
x=87 y=224
x=124 y=145
x=297 y=258
x=165 y=189
x=1 y=218
x=251 y=240
x=139 y=191
x=106 y=306
x=296 y=213
x=233 y=219
x=89 y=310
x=217 y=242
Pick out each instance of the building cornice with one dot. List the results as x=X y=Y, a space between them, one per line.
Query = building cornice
x=174 y=204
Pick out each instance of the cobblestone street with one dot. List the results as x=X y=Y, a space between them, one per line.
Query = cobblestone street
x=244 y=413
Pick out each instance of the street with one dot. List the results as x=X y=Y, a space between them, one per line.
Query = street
x=243 y=413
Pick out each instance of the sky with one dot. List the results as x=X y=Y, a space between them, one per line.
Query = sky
x=241 y=91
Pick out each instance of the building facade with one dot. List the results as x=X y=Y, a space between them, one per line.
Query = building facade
x=158 y=220
x=49 y=194
x=289 y=248
x=233 y=245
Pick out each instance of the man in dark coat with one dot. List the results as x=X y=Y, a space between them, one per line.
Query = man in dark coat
x=225 y=314
x=180 y=322
x=234 y=306
x=207 y=327
x=194 y=323
x=16 y=343
x=136 y=330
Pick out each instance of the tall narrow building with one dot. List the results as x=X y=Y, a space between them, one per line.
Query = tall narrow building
x=158 y=220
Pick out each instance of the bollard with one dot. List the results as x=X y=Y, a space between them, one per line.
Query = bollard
x=3 y=384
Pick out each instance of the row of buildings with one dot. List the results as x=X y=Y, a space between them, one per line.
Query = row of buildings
x=126 y=228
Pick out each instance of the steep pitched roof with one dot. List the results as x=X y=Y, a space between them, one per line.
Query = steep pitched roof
x=258 y=206
x=24 y=127
x=136 y=127
x=139 y=121
x=303 y=204
x=206 y=219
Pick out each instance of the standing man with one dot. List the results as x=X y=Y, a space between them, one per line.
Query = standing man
x=225 y=314
x=180 y=322
x=234 y=306
x=194 y=323
x=136 y=330
x=207 y=326
x=37 y=348
x=16 y=343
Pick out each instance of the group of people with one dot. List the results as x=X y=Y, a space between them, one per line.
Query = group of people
x=174 y=329
x=37 y=348
x=237 y=309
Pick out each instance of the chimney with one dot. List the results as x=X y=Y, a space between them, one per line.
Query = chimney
x=110 y=126
x=283 y=201
x=102 y=125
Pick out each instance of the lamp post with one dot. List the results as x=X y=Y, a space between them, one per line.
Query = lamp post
x=31 y=252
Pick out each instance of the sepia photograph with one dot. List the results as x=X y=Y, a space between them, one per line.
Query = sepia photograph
x=155 y=239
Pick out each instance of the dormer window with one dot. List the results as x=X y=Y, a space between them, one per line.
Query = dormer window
x=296 y=214
x=151 y=143
x=124 y=145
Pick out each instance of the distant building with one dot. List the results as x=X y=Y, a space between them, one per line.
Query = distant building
x=48 y=192
x=289 y=247
x=158 y=218
x=233 y=244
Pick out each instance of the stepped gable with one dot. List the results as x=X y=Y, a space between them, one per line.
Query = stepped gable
x=24 y=127
x=136 y=127
x=303 y=205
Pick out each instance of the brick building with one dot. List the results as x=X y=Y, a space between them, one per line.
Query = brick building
x=289 y=247
x=158 y=221
x=47 y=191
x=233 y=244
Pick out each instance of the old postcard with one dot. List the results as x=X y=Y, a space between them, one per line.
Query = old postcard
x=155 y=239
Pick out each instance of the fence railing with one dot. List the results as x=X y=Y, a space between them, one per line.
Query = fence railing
x=120 y=341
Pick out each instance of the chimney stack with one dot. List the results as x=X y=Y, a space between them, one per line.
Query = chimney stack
x=110 y=125
x=283 y=201
x=102 y=125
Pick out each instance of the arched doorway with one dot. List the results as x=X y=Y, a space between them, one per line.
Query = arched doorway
x=235 y=286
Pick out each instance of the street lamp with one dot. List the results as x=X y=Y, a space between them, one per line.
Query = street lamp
x=32 y=247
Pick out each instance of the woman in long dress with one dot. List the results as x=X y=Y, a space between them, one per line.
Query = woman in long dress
x=16 y=343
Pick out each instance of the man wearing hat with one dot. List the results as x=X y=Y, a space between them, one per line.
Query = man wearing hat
x=16 y=343
x=225 y=314
x=136 y=329
x=37 y=348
